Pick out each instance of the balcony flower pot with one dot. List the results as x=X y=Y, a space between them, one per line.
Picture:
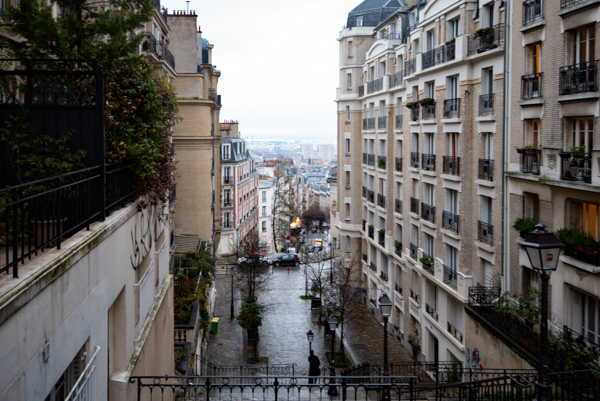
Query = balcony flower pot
x=412 y=105
x=524 y=225
x=426 y=261
x=427 y=101
x=578 y=151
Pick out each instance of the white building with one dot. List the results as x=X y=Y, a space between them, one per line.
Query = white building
x=266 y=189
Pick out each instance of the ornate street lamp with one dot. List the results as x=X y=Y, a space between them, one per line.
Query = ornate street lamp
x=543 y=250
x=332 y=326
x=310 y=336
x=385 y=306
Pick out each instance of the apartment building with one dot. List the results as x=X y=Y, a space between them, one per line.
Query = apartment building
x=196 y=139
x=419 y=128
x=552 y=151
x=266 y=188
x=239 y=196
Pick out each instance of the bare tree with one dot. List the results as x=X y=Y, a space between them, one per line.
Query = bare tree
x=314 y=213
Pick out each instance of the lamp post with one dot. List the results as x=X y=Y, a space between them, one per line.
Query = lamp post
x=310 y=336
x=543 y=249
x=385 y=306
x=332 y=326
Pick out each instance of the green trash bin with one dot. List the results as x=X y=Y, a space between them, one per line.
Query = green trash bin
x=214 y=325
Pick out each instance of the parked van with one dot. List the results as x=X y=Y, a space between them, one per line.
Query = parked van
x=291 y=250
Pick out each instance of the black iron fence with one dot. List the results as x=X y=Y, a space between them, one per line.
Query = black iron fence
x=530 y=160
x=428 y=161
x=485 y=232
x=452 y=108
x=414 y=159
x=576 y=167
x=428 y=212
x=450 y=221
x=486 y=104
x=531 y=86
x=451 y=165
x=486 y=169
x=485 y=39
x=578 y=78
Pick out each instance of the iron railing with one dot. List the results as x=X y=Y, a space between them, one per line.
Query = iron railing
x=381 y=122
x=530 y=160
x=532 y=11
x=413 y=254
x=531 y=86
x=371 y=123
x=371 y=159
x=576 y=167
x=168 y=56
x=410 y=67
x=486 y=169
x=398 y=206
x=450 y=277
x=371 y=195
x=398 y=120
x=414 y=113
x=428 y=112
x=581 y=341
x=428 y=212
x=485 y=232
x=149 y=43
x=578 y=78
x=414 y=295
x=455 y=332
x=451 y=165
x=486 y=104
x=381 y=161
x=414 y=159
x=398 y=165
x=568 y=3
x=450 y=221
x=365 y=158
x=414 y=205
x=380 y=200
x=428 y=161
x=452 y=108
x=396 y=79
x=207 y=368
x=485 y=39
x=361 y=91
x=375 y=85
x=364 y=123
x=431 y=311
x=437 y=56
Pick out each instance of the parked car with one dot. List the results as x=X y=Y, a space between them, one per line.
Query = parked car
x=263 y=259
x=288 y=259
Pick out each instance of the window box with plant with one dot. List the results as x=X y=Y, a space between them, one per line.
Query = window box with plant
x=380 y=163
x=426 y=260
x=524 y=225
x=412 y=105
x=427 y=101
x=578 y=151
x=579 y=246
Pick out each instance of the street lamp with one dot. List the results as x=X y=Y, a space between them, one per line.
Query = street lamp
x=310 y=336
x=385 y=306
x=332 y=326
x=543 y=249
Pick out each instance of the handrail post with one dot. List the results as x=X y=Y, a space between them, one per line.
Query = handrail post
x=275 y=385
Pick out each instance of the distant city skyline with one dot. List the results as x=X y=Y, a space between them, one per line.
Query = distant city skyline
x=279 y=63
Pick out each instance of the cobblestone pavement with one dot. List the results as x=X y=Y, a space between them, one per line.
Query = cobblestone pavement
x=285 y=323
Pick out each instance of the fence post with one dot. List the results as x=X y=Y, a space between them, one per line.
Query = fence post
x=207 y=389
x=275 y=385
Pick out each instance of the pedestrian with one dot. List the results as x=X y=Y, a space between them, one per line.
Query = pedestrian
x=314 y=366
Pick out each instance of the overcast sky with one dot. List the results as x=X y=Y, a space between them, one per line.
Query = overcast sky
x=278 y=61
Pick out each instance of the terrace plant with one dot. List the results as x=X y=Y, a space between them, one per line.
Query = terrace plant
x=426 y=101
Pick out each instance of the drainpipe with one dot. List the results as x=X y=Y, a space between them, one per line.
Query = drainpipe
x=506 y=120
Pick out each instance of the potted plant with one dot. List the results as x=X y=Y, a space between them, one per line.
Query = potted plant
x=524 y=225
x=578 y=151
x=426 y=101
x=413 y=340
x=412 y=105
x=426 y=260
x=380 y=163
x=451 y=41
x=398 y=245
x=483 y=32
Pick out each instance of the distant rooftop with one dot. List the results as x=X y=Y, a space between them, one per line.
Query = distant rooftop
x=373 y=12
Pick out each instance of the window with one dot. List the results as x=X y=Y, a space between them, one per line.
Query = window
x=429 y=40
x=347 y=146
x=347 y=211
x=371 y=73
x=584 y=315
x=226 y=152
x=264 y=211
x=359 y=20
x=381 y=147
x=428 y=245
x=582 y=132
x=532 y=132
x=349 y=49
x=347 y=179
x=487 y=80
x=347 y=115
x=429 y=143
x=227 y=174
x=486 y=209
x=264 y=226
x=453 y=149
x=415 y=142
x=533 y=58
x=453 y=29
x=349 y=81
x=382 y=108
x=398 y=232
x=451 y=201
x=428 y=194
x=488 y=145
x=371 y=110
x=227 y=197
x=452 y=87
x=67 y=380
x=382 y=69
x=430 y=89
x=584 y=216
x=488 y=15
x=451 y=258
x=531 y=205
x=347 y=243
x=583 y=45
x=414 y=235
x=264 y=196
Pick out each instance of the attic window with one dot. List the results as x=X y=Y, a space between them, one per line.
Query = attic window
x=359 y=20
x=226 y=151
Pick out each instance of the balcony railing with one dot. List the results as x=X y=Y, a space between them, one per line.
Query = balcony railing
x=149 y=43
x=414 y=159
x=581 y=341
x=531 y=86
x=578 y=78
x=398 y=165
x=365 y=158
x=428 y=112
x=451 y=165
x=361 y=91
x=452 y=108
x=414 y=295
x=486 y=104
x=455 y=332
x=486 y=169
x=567 y=3
x=227 y=203
x=365 y=124
x=437 y=56
x=381 y=122
x=414 y=205
x=396 y=79
x=380 y=200
x=530 y=160
x=398 y=286
x=381 y=161
x=532 y=11
x=398 y=120
x=381 y=238
x=576 y=167
x=371 y=232
x=450 y=221
x=413 y=251
x=371 y=123
x=485 y=232
x=428 y=161
x=431 y=311
x=375 y=85
x=168 y=56
x=485 y=39
x=371 y=159
x=428 y=212
x=370 y=196
x=398 y=206
x=227 y=224
x=410 y=67
x=450 y=276
x=414 y=113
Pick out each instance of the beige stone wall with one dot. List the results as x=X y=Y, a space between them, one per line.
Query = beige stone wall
x=183 y=42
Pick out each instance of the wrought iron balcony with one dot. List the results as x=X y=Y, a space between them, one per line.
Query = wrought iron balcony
x=413 y=251
x=414 y=113
x=452 y=108
x=227 y=203
x=583 y=342
x=414 y=295
x=149 y=43
x=532 y=11
x=371 y=123
x=398 y=166
x=398 y=206
x=414 y=205
x=485 y=39
x=414 y=159
x=485 y=232
x=531 y=86
x=428 y=112
x=410 y=67
x=381 y=238
x=450 y=276
x=428 y=212
x=371 y=232
x=361 y=91
x=568 y=3
x=450 y=221
x=375 y=85
x=365 y=158
x=486 y=104
x=371 y=196
x=530 y=160
x=486 y=169
x=381 y=161
x=227 y=224
x=396 y=79
x=576 y=167
x=455 y=332
x=428 y=161
x=578 y=78
x=381 y=122
x=365 y=124
x=431 y=311
x=398 y=121
x=380 y=200
x=451 y=165
x=437 y=56
x=168 y=56
x=371 y=159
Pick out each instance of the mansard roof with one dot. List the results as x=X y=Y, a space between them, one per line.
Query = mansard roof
x=373 y=12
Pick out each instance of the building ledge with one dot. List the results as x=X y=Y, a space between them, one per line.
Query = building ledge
x=532 y=102
x=578 y=97
x=578 y=7
x=534 y=25
x=580 y=264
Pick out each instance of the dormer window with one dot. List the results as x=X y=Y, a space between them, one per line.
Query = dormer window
x=359 y=20
x=226 y=152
